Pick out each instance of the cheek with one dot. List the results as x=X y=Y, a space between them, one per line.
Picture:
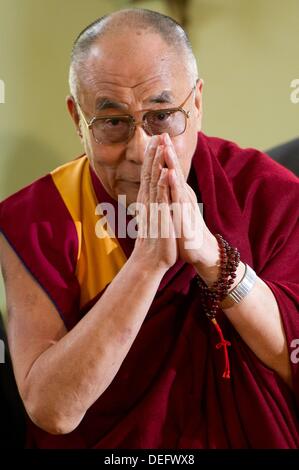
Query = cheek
x=105 y=155
x=105 y=162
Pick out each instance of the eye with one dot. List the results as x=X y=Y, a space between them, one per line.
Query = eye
x=113 y=122
x=159 y=118
x=163 y=116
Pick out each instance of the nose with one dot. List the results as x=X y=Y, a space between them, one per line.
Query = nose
x=135 y=150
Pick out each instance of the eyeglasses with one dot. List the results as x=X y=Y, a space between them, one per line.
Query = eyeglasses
x=115 y=129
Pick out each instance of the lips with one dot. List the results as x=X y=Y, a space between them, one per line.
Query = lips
x=123 y=180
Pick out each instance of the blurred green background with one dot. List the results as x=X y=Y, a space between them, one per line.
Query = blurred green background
x=247 y=53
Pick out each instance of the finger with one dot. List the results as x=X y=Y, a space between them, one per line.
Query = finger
x=163 y=217
x=175 y=197
x=174 y=186
x=143 y=193
x=156 y=171
x=163 y=187
x=147 y=164
x=171 y=158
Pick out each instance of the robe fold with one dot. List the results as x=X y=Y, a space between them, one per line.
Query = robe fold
x=169 y=391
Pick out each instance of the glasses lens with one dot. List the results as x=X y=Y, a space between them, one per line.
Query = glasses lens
x=111 y=130
x=172 y=122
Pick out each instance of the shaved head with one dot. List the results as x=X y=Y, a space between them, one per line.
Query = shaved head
x=141 y=21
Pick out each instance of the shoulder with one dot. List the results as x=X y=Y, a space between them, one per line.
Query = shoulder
x=252 y=172
x=37 y=216
x=40 y=197
x=235 y=160
x=33 y=198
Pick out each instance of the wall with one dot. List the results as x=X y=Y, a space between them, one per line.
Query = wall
x=248 y=53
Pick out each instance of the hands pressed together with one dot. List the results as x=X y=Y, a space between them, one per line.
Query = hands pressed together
x=180 y=231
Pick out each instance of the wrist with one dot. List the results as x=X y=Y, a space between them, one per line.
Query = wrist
x=208 y=267
x=241 y=287
x=239 y=274
x=147 y=266
x=208 y=263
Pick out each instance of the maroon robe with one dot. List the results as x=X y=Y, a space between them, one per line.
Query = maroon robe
x=169 y=391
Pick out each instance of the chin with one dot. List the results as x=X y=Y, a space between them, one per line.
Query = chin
x=130 y=191
x=131 y=197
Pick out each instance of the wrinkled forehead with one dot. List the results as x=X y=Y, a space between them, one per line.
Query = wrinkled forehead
x=131 y=69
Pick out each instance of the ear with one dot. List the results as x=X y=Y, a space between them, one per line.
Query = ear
x=198 y=103
x=72 y=109
x=198 y=98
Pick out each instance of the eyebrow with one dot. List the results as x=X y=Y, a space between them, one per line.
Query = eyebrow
x=164 y=97
x=108 y=103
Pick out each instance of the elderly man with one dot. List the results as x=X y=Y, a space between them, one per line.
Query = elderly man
x=159 y=341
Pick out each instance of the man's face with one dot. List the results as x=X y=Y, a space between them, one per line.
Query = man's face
x=122 y=75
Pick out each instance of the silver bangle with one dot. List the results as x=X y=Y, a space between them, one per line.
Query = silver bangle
x=237 y=294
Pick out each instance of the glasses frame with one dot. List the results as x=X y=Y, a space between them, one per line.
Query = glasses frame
x=133 y=122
